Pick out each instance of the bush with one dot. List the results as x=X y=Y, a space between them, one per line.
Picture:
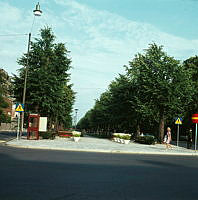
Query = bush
x=126 y=137
x=100 y=135
x=47 y=135
x=5 y=118
x=183 y=138
x=76 y=135
x=145 y=139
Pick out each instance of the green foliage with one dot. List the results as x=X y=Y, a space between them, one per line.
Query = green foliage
x=76 y=135
x=5 y=118
x=191 y=65
x=155 y=89
x=126 y=137
x=48 y=135
x=163 y=85
x=99 y=135
x=4 y=91
x=49 y=92
x=145 y=140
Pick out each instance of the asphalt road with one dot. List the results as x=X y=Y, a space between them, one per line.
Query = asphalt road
x=28 y=174
x=6 y=136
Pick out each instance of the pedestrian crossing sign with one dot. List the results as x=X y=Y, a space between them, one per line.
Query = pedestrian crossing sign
x=178 y=121
x=19 y=107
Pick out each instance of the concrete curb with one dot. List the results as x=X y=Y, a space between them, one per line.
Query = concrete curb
x=105 y=151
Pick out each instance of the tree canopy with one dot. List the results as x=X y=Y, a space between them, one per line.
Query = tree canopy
x=49 y=92
x=155 y=89
x=4 y=91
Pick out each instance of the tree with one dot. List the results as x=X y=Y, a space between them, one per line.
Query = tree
x=4 y=88
x=49 y=92
x=121 y=104
x=163 y=85
x=191 y=64
x=114 y=110
x=84 y=122
x=155 y=89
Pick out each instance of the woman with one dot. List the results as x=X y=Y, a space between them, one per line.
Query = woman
x=168 y=140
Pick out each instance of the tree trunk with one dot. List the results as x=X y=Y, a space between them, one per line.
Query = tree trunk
x=161 y=127
x=138 y=130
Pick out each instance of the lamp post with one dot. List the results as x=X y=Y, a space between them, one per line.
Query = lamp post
x=76 y=111
x=37 y=12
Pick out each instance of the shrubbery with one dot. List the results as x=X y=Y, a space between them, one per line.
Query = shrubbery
x=48 y=135
x=125 y=137
x=145 y=139
x=5 y=118
x=100 y=135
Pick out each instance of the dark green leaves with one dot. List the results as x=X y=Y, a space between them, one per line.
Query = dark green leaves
x=49 y=92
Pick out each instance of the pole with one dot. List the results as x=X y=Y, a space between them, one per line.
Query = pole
x=18 y=125
x=76 y=118
x=196 y=138
x=177 y=135
x=25 y=82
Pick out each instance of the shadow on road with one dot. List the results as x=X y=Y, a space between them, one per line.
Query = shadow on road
x=55 y=175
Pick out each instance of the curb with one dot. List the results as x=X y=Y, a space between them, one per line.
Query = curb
x=105 y=151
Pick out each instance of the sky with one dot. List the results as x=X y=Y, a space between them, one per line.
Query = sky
x=101 y=35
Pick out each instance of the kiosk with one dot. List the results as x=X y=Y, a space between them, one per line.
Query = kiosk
x=33 y=127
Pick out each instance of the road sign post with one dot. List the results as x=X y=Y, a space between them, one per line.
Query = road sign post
x=195 y=120
x=18 y=126
x=19 y=108
x=196 y=138
x=178 y=135
x=178 y=122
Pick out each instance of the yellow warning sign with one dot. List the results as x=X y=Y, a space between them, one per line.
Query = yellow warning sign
x=19 y=108
x=178 y=121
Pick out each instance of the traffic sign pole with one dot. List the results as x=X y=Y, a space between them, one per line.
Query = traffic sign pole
x=178 y=122
x=18 y=126
x=195 y=120
x=196 y=138
x=19 y=109
x=177 y=135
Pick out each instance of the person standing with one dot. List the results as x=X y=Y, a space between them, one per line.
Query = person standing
x=168 y=138
x=189 y=139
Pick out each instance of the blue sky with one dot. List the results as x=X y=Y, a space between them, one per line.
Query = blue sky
x=102 y=35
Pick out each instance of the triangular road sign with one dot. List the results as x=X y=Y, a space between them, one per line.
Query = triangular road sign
x=178 y=121
x=19 y=108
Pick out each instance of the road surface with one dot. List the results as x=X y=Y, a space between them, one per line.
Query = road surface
x=28 y=174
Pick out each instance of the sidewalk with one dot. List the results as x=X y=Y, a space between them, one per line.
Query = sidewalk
x=91 y=144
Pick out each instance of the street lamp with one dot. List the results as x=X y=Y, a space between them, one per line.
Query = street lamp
x=76 y=111
x=37 y=12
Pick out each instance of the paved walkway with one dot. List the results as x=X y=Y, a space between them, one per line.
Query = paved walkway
x=91 y=144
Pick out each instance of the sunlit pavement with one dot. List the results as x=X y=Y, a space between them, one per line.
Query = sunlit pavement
x=91 y=144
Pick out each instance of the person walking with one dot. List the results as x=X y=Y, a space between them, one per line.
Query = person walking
x=189 y=139
x=168 y=138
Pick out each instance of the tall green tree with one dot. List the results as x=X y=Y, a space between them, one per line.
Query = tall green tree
x=121 y=103
x=3 y=94
x=163 y=85
x=49 y=91
x=114 y=110
x=191 y=64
